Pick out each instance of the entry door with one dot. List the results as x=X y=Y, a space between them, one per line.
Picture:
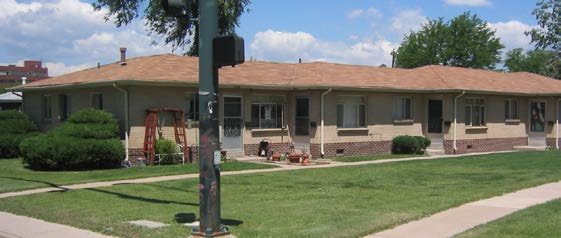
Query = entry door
x=434 y=124
x=302 y=124
x=536 y=136
x=232 y=123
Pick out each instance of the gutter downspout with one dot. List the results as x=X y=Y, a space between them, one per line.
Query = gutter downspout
x=322 y=152
x=456 y=119
x=126 y=119
x=557 y=126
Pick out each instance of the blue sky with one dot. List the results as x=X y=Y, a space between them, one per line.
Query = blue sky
x=67 y=35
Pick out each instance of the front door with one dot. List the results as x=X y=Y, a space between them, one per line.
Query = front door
x=536 y=136
x=302 y=124
x=232 y=139
x=434 y=123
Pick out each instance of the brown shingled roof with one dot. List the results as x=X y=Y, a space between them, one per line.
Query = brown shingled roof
x=173 y=69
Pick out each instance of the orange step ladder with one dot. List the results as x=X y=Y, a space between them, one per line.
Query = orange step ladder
x=150 y=132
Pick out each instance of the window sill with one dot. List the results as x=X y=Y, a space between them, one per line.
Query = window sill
x=268 y=130
x=512 y=121
x=352 y=129
x=403 y=122
x=474 y=128
x=191 y=124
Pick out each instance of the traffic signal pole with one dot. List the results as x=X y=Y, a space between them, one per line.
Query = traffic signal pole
x=209 y=143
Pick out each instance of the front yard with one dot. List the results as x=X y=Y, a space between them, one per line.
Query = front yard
x=347 y=201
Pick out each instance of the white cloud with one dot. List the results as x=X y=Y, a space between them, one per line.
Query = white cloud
x=58 y=68
x=67 y=34
x=512 y=34
x=289 y=46
x=407 y=20
x=471 y=3
x=370 y=12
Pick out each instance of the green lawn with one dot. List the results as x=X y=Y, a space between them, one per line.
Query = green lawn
x=539 y=221
x=15 y=177
x=372 y=157
x=347 y=201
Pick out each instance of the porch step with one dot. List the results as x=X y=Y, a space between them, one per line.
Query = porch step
x=529 y=148
x=431 y=152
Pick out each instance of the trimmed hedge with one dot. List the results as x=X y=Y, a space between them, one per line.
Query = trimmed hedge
x=14 y=128
x=409 y=144
x=88 y=140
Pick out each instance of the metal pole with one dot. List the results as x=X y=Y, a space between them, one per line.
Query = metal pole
x=209 y=145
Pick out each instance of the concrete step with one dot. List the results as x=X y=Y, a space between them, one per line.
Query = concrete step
x=431 y=152
x=529 y=148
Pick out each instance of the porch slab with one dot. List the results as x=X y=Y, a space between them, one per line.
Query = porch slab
x=529 y=148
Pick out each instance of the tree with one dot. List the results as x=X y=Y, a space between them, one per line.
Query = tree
x=177 y=31
x=548 y=34
x=533 y=61
x=465 y=41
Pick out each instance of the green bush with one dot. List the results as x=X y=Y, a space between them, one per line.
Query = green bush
x=88 y=140
x=14 y=127
x=167 y=150
x=409 y=144
x=92 y=116
x=54 y=152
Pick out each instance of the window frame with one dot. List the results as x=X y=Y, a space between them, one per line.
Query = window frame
x=359 y=108
x=93 y=102
x=191 y=100
x=481 y=107
x=46 y=107
x=510 y=106
x=266 y=100
x=401 y=112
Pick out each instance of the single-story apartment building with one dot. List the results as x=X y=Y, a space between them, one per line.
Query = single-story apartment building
x=323 y=108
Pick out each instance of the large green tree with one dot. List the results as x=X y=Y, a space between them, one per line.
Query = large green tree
x=533 y=61
x=179 y=32
x=465 y=41
x=548 y=33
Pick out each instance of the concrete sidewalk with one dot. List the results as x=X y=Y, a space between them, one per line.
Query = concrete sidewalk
x=14 y=226
x=456 y=220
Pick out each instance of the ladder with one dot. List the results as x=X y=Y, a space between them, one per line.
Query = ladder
x=150 y=136
x=179 y=131
x=150 y=132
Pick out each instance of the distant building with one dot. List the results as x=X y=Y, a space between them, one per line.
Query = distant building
x=32 y=70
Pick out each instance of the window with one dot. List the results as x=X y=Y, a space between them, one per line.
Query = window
x=351 y=112
x=97 y=101
x=511 y=109
x=475 y=112
x=192 y=106
x=47 y=107
x=63 y=107
x=403 y=109
x=267 y=111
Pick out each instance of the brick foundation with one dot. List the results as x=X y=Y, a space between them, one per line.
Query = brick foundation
x=253 y=149
x=135 y=153
x=352 y=148
x=484 y=145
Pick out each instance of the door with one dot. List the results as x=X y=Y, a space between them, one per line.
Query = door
x=232 y=125
x=536 y=136
x=302 y=124
x=434 y=124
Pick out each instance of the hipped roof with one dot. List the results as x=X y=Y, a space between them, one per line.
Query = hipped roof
x=169 y=69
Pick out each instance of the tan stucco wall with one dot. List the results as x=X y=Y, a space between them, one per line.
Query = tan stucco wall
x=380 y=106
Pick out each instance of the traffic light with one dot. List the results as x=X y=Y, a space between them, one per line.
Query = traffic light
x=228 y=50
x=176 y=8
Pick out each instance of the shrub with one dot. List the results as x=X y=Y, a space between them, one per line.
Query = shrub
x=167 y=150
x=14 y=127
x=88 y=140
x=55 y=152
x=405 y=145
x=92 y=116
x=410 y=144
x=423 y=142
